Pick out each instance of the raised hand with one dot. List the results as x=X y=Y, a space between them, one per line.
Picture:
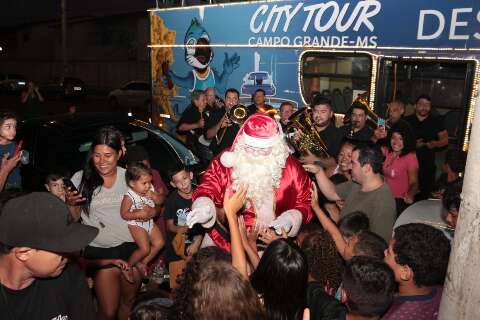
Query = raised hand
x=233 y=202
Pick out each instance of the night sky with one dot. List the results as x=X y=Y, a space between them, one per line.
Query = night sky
x=20 y=12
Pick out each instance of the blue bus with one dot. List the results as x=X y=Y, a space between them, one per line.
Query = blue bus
x=383 y=50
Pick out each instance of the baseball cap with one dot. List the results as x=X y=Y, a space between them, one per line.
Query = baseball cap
x=39 y=220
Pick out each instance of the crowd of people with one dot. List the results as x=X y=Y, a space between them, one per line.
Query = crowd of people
x=268 y=232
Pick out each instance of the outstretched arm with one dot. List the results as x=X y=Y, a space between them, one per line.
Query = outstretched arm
x=232 y=203
x=328 y=224
x=326 y=185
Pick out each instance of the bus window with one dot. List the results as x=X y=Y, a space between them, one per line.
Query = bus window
x=338 y=76
x=447 y=82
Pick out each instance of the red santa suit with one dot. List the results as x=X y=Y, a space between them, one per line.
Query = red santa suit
x=289 y=203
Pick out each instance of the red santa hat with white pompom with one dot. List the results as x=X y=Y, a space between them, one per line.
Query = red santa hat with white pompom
x=258 y=131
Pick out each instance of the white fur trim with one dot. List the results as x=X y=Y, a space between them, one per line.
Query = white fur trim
x=227 y=159
x=259 y=142
x=295 y=217
x=203 y=202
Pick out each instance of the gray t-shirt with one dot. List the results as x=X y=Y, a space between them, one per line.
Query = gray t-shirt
x=378 y=205
x=105 y=212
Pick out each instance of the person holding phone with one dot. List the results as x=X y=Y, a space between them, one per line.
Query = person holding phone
x=101 y=186
x=10 y=153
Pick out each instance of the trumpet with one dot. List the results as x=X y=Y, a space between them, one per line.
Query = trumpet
x=237 y=114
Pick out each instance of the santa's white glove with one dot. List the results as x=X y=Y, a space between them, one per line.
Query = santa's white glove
x=200 y=215
x=290 y=221
x=280 y=223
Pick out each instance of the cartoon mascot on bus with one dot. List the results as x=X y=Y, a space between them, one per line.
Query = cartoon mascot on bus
x=199 y=55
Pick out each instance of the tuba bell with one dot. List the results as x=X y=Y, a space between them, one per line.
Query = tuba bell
x=237 y=114
x=310 y=139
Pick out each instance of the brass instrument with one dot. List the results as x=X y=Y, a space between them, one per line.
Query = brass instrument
x=372 y=117
x=237 y=114
x=310 y=139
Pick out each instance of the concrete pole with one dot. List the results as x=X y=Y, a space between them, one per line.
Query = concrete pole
x=461 y=295
x=63 y=13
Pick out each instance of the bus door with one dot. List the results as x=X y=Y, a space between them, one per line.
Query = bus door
x=449 y=83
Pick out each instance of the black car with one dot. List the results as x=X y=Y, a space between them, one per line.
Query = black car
x=12 y=83
x=63 y=88
x=64 y=141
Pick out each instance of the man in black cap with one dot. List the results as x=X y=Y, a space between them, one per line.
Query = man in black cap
x=35 y=280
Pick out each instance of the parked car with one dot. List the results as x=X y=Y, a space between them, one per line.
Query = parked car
x=64 y=141
x=133 y=95
x=63 y=88
x=12 y=83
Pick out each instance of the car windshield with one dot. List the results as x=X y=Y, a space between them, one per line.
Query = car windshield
x=72 y=152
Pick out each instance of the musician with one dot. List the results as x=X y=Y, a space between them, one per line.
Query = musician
x=259 y=104
x=213 y=101
x=286 y=110
x=324 y=124
x=192 y=123
x=357 y=129
x=217 y=122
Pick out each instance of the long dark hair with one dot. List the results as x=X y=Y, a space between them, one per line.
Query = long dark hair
x=91 y=180
x=281 y=279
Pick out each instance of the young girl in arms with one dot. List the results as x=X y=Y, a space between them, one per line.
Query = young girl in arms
x=146 y=234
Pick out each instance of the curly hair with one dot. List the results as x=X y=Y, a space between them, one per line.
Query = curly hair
x=182 y=308
x=324 y=263
x=222 y=293
x=369 y=284
x=423 y=249
x=405 y=131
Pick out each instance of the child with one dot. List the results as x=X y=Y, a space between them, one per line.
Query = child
x=145 y=233
x=8 y=131
x=368 y=287
x=54 y=185
x=418 y=255
x=177 y=207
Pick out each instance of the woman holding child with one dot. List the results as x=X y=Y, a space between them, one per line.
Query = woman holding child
x=102 y=186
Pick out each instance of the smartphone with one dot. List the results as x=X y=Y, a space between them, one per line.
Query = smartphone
x=69 y=184
x=381 y=122
x=18 y=148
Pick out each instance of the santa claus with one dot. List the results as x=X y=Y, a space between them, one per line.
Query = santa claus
x=278 y=187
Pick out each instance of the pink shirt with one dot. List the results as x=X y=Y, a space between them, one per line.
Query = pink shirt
x=396 y=170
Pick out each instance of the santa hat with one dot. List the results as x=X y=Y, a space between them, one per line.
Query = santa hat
x=258 y=131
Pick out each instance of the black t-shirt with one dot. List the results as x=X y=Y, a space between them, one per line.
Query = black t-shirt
x=364 y=135
x=230 y=132
x=192 y=115
x=177 y=208
x=66 y=297
x=332 y=137
x=428 y=130
x=322 y=305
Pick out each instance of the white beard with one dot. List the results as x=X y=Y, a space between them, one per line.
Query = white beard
x=261 y=174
